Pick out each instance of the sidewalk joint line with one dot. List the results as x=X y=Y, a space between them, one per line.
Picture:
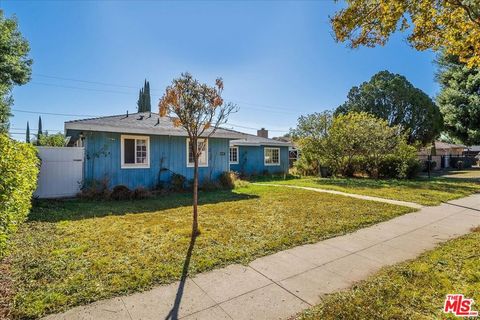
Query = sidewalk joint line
x=278 y=284
x=216 y=303
x=126 y=308
x=457 y=205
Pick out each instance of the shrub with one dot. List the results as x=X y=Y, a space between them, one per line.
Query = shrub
x=389 y=167
x=209 y=185
x=95 y=190
x=177 y=182
x=459 y=165
x=401 y=163
x=467 y=162
x=356 y=143
x=306 y=166
x=121 y=192
x=54 y=140
x=228 y=179
x=433 y=165
x=141 y=193
x=19 y=166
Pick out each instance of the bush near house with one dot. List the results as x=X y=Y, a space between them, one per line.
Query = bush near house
x=19 y=166
x=356 y=143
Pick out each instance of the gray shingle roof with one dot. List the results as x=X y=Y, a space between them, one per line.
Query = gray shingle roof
x=152 y=123
x=141 y=123
x=446 y=146
x=252 y=140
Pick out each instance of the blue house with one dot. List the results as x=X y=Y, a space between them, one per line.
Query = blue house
x=143 y=149
x=257 y=155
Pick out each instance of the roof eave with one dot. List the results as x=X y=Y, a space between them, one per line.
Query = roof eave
x=146 y=131
x=259 y=144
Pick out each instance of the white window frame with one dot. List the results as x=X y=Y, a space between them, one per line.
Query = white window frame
x=265 y=156
x=191 y=164
x=122 y=153
x=229 y=155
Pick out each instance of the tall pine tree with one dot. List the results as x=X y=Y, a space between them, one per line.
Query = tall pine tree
x=27 y=137
x=148 y=104
x=144 y=102
x=39 y=132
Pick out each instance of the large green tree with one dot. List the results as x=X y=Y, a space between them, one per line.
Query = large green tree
x=393 y=98
x=309 y=135
x=451 y=25
x=144 y=100
x=15 y=65
x=459 y=99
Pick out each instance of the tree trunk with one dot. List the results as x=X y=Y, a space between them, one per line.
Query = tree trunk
x=195 y=192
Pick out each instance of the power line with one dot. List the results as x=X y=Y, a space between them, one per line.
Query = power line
x=85 y=81
x=35 y=129
x=56 y=114
x=266 y=107
x=78 y=88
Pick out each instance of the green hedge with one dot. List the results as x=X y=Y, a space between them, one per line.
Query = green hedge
x=19 y=166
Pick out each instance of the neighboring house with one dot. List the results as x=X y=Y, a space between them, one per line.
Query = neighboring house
x=443 y=149
x=472 y=151
x=442 y=153
x=143 y=149
x=257 y=155
x=448 y=149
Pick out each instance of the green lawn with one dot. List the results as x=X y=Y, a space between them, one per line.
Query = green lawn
x=74 y=252
x=423 y=190
x=411 y=290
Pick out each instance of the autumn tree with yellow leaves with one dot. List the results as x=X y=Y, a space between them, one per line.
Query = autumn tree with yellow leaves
x=200 y=110
x=450 y=25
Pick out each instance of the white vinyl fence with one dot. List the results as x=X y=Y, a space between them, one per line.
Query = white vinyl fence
x=61 y=173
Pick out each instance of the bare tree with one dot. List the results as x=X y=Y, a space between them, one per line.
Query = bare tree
x=200 y=110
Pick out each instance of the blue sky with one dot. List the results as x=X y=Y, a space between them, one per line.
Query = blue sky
x=278 y=59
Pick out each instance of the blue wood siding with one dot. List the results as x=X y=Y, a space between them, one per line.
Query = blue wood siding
x=103 y=160
x=251 y=161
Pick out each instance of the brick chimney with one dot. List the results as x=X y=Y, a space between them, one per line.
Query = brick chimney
x=262 y=133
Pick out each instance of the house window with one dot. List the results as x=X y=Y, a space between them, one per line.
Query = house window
x=233 y=155
x=135 y=152
x=202 y=144
x=272 y=156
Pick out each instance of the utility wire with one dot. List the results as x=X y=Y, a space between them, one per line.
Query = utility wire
x=84 y=81
x=78 y=88
x=273 y=108
x=56 y=114
x=33 y=130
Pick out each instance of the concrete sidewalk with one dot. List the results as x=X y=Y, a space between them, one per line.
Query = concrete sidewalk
x=283 y=284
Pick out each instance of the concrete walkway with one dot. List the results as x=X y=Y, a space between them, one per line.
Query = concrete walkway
x=351 y=195
x=283 y=284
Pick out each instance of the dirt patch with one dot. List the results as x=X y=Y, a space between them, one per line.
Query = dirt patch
x=6 y=290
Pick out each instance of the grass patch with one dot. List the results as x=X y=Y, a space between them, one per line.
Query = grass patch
x=423 y=191
x=75 y=252
x=411 y=290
